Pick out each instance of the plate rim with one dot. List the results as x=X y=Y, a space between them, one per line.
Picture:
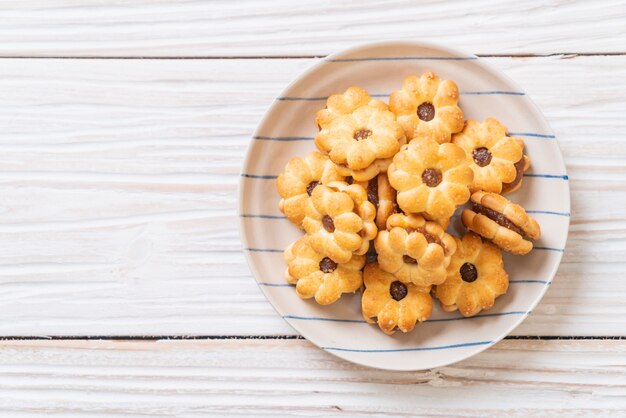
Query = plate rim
x=412 y=44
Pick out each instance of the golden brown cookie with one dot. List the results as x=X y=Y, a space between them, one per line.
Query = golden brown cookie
x=497 y=160
x=297 y=181
x=358 y=133
x=391 y=303
x=344 y=104
x=427 y=107
x=316 y=275
x=414 y=250
x=506 y=224
x=337 y=225
x=430 y=177
x=476 y=277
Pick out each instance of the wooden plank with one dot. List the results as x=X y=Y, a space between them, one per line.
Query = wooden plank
x=292 y=377
x=118 y=198
x=282 y=27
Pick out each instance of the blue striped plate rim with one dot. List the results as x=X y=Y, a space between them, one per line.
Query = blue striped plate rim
x=362 y=321
x=396 y=350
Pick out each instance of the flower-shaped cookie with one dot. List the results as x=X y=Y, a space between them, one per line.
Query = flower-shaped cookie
x=340 y=221
x=297 y=182
x=430 y=177
x=316 y=275
x=476 y=276
x=497 y=160
x=391 y=303
x=358 y=133
x=506 y=224
x=427 y=107
x=414 y=250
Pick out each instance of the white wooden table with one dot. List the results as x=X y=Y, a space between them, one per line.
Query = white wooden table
x=123 y=287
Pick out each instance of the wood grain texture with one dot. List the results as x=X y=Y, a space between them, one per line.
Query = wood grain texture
x=281 y=27
x=118 y=184
x=294 y=378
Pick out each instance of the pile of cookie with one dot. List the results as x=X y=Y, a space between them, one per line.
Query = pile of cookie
x=376 y=200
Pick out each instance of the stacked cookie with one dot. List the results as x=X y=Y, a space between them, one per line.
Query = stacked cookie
x=376 y=199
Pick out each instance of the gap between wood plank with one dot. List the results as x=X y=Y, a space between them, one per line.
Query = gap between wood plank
x=565 y=55
x=253 y=337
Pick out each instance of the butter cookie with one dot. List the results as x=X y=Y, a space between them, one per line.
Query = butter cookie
x=316 y=275
x=391 y=303
x=504 y=223
x=475 y=278
x=428 y=107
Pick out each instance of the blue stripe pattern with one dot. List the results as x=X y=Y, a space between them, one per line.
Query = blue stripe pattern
x=530 y=281
x=549 y=212
x=479 y=316
x=283 y=138
x=396 y=350
x=246 y=215
x=560 y=250
x=263 y=250
x=362 y=321
x=275 y=285
x=548 y=176
x=401 y=59
x=531 y=134
x=258 y=176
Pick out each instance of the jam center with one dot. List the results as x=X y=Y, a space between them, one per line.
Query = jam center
x=328 y=223
x=432 y=177
x=432 y=239
x=468 y=272
x=362 y=134
x=426 y=111
x=482 y=156
x=312 y=185
x=498 y=218
x=372 y=191
x=327 y=265
x=398 y=290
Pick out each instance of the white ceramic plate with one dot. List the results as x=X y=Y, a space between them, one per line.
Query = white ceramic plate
x=287 y=130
